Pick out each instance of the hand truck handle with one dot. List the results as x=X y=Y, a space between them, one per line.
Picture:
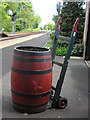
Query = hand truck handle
x=75 y=25
x=57 y=26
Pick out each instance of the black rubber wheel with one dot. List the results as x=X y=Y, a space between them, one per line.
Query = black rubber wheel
x=62 y=103
x=51 y=95
x=51 y=92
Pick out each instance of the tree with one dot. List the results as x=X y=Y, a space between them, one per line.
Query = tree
x=36 y=21
x=5 y=19
x=25 y=17
x=55 y=18
x=69 y=13
x=5 y=16
x=49 y=26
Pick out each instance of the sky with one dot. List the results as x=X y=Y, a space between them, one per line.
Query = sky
x=45 y=9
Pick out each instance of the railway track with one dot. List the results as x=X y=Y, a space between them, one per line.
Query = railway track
x=19 y=35
x=6 y=42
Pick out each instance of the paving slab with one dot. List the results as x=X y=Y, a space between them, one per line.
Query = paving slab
x=75 y=89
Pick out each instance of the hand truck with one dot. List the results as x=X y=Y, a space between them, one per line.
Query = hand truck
x=58 y=101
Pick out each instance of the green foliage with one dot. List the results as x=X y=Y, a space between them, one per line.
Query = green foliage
x=5 y=19
x=52 y=35
x=25 y=17
x=78 y=49
x=63 y=45
x=69 y=13
x=49 y=26
x=30 y=30
x=41 y=28
x=36 y=21
x=7 y=24
x=61 y=50
x=55 y=18
x=35 y=30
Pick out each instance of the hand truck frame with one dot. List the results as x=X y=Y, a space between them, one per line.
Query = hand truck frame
x=58 y=101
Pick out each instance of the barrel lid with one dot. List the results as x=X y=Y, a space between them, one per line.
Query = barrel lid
x=31 y=50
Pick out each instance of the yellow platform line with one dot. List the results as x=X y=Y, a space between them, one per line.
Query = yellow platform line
x=88 y=63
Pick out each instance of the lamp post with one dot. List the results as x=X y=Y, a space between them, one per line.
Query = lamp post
x=13 y=20
x=13 y=28
x=58 y=7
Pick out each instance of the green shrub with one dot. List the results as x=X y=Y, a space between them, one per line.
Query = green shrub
x=78 y=49
x=51 y=35
x=62 y=46
x=63 y=43
x=49 y=46
x=7 y=25
x=61 y=51
x=36 y=30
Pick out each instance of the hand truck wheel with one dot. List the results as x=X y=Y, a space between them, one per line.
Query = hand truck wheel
x=62 y=103
x=51 y=92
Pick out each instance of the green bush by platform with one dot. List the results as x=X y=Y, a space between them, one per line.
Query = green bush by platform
x=63 y=45
x=69 y=13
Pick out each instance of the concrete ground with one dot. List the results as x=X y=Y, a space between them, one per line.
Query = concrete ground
x=20 y=34
x=75 y=89
x=10 y=42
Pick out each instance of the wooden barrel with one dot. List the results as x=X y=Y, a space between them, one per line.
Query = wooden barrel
x=31 y=78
